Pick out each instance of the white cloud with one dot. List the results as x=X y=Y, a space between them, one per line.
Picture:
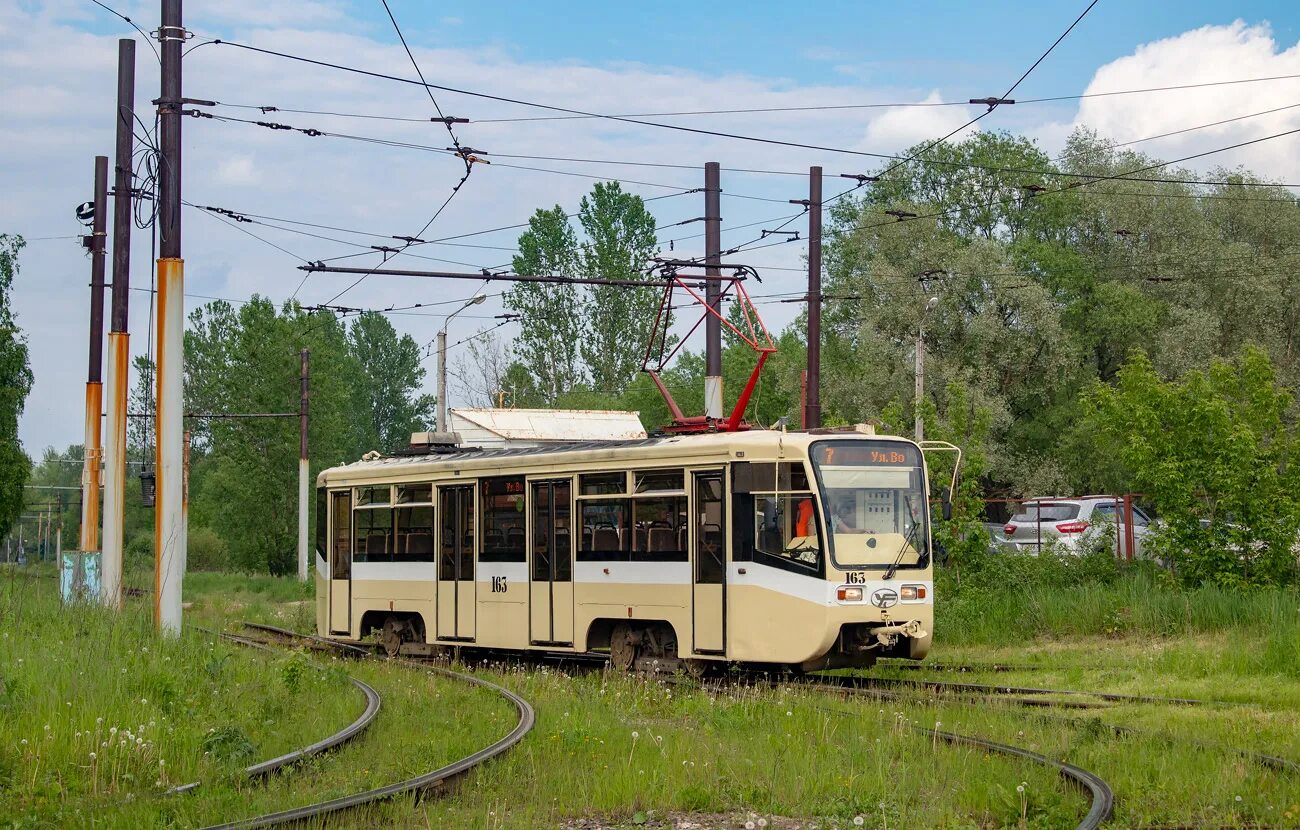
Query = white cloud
x=1208 y=54
x=898 y=128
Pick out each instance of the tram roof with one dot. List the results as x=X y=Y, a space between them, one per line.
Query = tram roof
x=714 y=442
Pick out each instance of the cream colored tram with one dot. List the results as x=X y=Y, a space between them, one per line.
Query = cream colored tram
x=760 y=547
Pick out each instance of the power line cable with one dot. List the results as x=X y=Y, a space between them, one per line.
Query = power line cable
x=760 y=110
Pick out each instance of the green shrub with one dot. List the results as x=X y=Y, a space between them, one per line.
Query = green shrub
x=139 y=551
x=206 y=551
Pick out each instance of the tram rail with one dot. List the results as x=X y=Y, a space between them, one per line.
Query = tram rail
x=297 y=756
x=417 y=784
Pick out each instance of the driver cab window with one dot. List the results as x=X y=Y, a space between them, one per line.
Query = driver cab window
x=785 y=518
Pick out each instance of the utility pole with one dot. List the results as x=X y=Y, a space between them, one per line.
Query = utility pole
x=94 y=377
x=918 y=429
x=169 y=527
x=119 y=343
x=713 y=290
x=812 y=413
x=303 y=466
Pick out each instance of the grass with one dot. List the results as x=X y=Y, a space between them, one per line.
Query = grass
x=629 y=750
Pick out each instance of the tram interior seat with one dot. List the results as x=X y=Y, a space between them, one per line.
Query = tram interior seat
x=419 y=544
x=493 y=540
x=606 y=539
x=515 y=537
x=640 y=539
x=662 y=539
x=376 y=543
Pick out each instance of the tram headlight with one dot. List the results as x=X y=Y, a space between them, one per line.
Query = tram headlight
x=912 y=592
x=849 y=593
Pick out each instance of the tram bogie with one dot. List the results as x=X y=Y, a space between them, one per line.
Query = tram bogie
x=686 y=552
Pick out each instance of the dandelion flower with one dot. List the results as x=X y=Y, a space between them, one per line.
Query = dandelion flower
x=762 y=822
x=1020 y=789
x=635 y=734
x=1239 y=798
x=92 y=756
x=858 y=821
x=749 y=825
x=23 y=742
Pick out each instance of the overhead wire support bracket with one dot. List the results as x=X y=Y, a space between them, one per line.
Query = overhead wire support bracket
x=992 y=102
x=791 y=236
x=860 y=178
x=449 y=120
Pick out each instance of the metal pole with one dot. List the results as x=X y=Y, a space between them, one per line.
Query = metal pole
x=442 y=424
x=303 y=490
x=919 y=428
x=94 y=377
x=169 y=519
x=813 y=406
x=713 y=289
x=119 y=344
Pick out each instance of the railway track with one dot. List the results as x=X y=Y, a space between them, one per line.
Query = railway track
x=434 y=778
x=347 y=733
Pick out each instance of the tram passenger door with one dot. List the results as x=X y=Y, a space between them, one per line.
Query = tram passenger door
x=710 y=546
x=456 y=563
x=340 y=612
x=550 y=569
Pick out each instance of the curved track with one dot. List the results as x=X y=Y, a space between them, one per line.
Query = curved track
x=416 y=784
x=344 y=735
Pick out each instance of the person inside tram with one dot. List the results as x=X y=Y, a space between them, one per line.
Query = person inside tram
x=846 y=517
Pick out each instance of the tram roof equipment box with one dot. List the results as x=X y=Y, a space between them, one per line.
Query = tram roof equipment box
x=494 y=428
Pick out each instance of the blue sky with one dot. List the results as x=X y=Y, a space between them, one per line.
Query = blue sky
x=57 y=60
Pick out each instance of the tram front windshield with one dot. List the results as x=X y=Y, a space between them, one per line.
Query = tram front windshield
x=874 y=500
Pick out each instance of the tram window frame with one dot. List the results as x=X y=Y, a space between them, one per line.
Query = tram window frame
x=673 y=506
x=755 y=481
x=365 y=496
x=404 y=526
x=418 y=493
x=361 y=543
x=322 y=520
x=602 y=484
x=621 y=527
x=646 y=482
x=503 y=552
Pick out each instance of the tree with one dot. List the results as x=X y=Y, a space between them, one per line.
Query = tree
x=481 y=377
x=547 y=345
x=15 y=385
x=620 y=241
x=1214 y=454
x=391 y=379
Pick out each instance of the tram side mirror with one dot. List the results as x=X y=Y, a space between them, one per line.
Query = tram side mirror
x=945 y=501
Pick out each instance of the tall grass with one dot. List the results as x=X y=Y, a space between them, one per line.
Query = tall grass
x=1017 y=601
x=98 y=710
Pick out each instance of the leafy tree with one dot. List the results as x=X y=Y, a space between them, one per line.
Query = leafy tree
x=15 y=384
x=391 y=379
x=547 y=345
x=620 y=235
x=1214 y=453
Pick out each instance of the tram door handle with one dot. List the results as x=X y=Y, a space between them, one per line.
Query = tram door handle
x=741 y=571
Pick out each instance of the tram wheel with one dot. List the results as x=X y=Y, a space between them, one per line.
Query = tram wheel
x=622 y=647
x=698 y=669
x=391 y=637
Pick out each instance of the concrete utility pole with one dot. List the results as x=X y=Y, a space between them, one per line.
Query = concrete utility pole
x=119 y=342
x=169 y=520
x=303 y=467
x=713 y=290
x=94 y=377
x=919 y=426
x=812 y=414
x=443 y=424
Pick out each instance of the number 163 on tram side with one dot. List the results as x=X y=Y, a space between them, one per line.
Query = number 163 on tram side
x=808 y=550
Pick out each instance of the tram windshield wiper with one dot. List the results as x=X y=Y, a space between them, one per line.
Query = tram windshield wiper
x=907 y=541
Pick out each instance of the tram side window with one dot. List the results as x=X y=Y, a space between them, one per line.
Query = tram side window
x=321 y=521
x=372 y=534
x=776 y=517
x=413 y=533
x=504 y=539
x=606 y=531
x=659 y=529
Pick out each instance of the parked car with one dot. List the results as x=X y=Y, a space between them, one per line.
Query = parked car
x=1075 y=525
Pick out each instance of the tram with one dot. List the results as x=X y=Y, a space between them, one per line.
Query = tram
x=808 y=550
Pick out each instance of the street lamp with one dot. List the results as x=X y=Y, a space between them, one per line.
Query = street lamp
x=442 y=424
x=919 y=428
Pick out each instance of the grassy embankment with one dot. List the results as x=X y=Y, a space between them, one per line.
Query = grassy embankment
x=627 y=749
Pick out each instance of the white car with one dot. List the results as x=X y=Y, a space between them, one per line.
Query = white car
x=1074 y=525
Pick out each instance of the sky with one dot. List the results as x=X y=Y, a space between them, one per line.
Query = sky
x=57 y=78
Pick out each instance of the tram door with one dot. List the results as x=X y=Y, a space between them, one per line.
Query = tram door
x=550 y=570
x=710 y=543
x=340 y=612
x=456 y=563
